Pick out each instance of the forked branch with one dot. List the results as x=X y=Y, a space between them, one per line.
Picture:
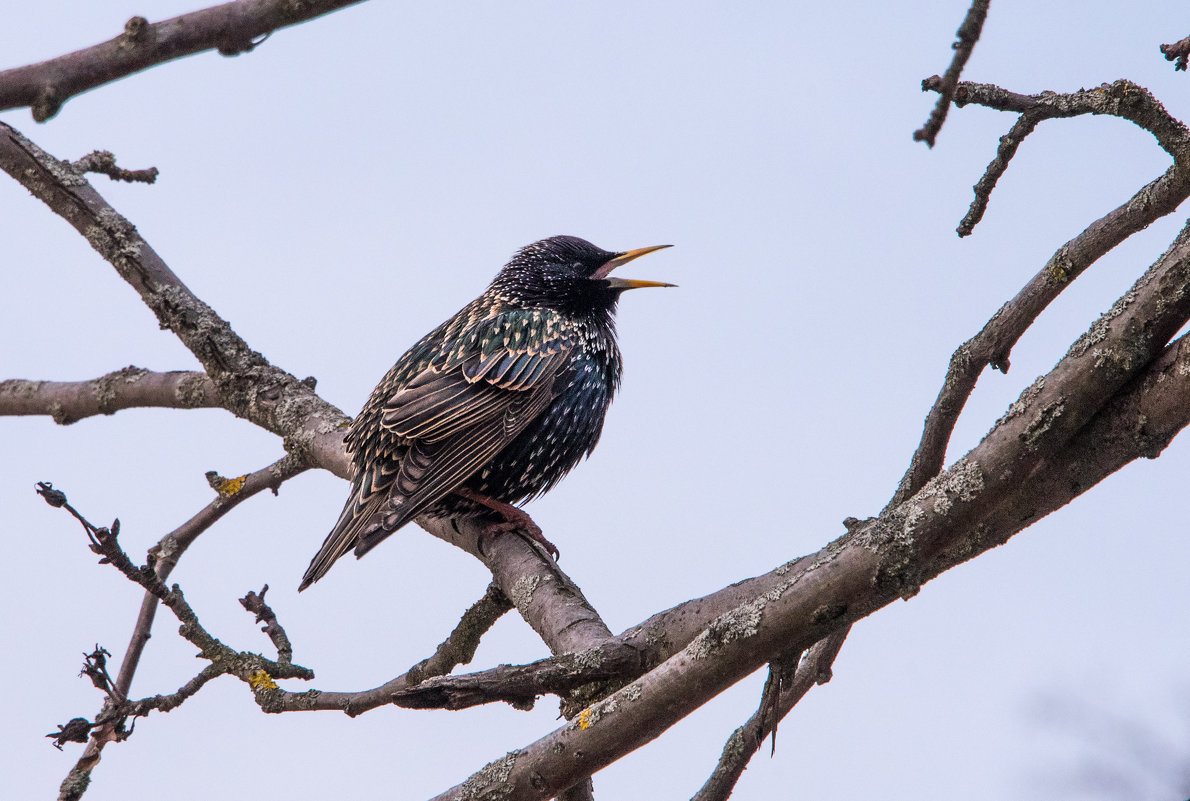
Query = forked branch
x=994 y=343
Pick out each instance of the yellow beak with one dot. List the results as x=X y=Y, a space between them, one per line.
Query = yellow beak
x=624 y=258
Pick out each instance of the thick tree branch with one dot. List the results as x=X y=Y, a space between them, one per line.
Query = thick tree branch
x=245 y=383
x=127 y=388
x=968 y=35
x=955 y=517
x=230 y=28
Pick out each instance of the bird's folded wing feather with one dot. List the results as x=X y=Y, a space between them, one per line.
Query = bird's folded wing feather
x=455 y=428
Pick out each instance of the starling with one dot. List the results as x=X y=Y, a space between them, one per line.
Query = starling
x=494 y=406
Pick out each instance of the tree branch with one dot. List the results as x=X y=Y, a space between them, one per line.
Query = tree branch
x=1024 y=125
x=968 y=35
x=520 y=685
x=249 y=387
x=994 y=343
x=103 y=162
x=254 y=603
x=127 y=388
x=165 y=554
x=814 y=668
x=1178 y=52
x=1122 y=99
x=458 y=649
x=956 y=516
x=460 y=646
x=231 y=28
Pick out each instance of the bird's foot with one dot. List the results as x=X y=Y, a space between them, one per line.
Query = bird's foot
x=515 y=520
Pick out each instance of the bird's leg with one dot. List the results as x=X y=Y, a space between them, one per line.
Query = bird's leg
x=515 y=519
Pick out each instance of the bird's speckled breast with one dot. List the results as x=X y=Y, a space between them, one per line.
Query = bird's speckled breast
x=567 y=431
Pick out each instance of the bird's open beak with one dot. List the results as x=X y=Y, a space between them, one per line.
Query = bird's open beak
x=624 y=258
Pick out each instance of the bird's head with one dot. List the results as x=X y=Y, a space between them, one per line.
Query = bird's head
x=568 y=273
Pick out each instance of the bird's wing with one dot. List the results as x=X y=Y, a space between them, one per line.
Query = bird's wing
x=457 y=421
x=441 y=426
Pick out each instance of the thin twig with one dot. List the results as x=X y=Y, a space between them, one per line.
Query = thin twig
x=103 y=162
x=460 y=646
x=169 y=549
x=1009 y=143
x=781 y=694
x=968 y=35
x=1178 y=52
x=254 y=603
x=1122 y=98
x=109 y=723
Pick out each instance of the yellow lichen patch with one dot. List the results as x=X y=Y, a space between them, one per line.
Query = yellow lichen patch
x=225 y=486
x=260 y=680
x=585 y=719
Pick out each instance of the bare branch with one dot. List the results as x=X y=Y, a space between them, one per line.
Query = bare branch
x=1123 y=99
x=779 y=699
x=254 y=603
x=231 y=28
x=955 y=517
x=520 y=685
x=994 y=343
x=169 y=549
x=1004 y=153
x=127 y=388
x=103 y=162
x=460 y=646
x=1178 y=52
x=968 y=35
x=105 y=542
x=249 y=387
x=167 y=703
x=166 y=554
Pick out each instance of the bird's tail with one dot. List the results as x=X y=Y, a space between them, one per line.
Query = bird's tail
x=356 y=518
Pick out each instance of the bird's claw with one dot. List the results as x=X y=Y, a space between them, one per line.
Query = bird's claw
x=526 y=528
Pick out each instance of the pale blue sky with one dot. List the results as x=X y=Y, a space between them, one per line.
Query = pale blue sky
x=355 y=180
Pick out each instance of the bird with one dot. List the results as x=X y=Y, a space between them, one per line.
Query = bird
x=493 y=407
